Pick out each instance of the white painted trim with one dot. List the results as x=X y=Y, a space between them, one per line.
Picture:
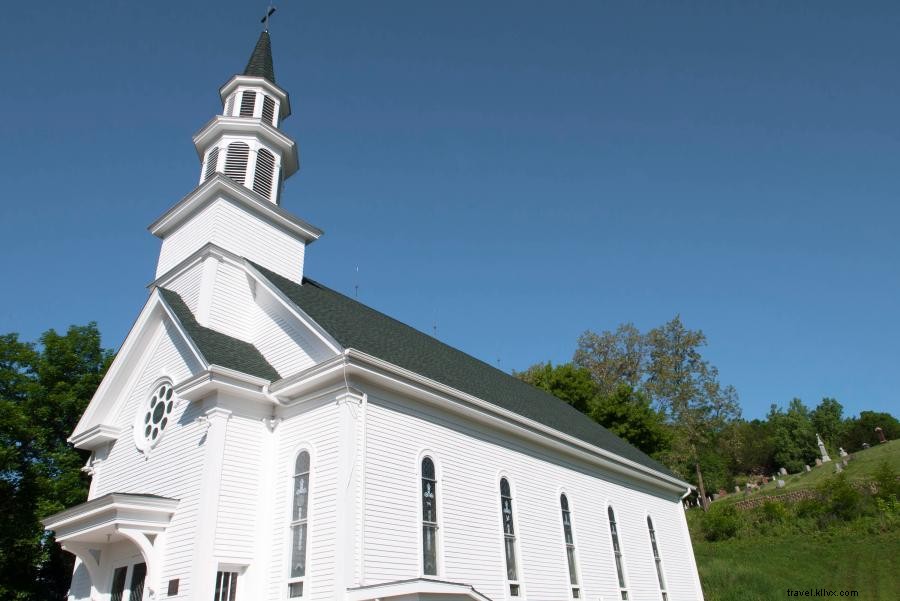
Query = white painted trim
x=428 y=586
x=222 y=186
x=250 y=81
x=560 y=491
x=220 y=126
x=300 y=447
x=613 y=548
x=439 y=509
x=503 y=474
x=207 y=285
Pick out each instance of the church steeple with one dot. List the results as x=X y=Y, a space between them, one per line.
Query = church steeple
x=244 y=142
x=260 y=63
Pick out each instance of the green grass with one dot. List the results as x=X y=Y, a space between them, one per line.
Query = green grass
x=762 y=569
x=861 y=467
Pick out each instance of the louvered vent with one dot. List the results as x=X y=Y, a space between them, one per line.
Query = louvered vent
x=229 y=105
x=268 y=112
x=212 y=159
x=248 y=99
x=236 y=161
x=265 y=170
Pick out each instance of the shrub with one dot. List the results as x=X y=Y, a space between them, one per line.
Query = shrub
x=721 y=522
x=809 y=508
x=886 y=483
x=843 y=502
x=774 y=512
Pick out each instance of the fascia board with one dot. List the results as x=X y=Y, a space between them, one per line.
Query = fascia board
x=309 y=381
x=284 y=98
x=221 y=186
x=417 y=586
x=220 y=125
x=95 y=436
x=195 y=350
x=136 y=336
x=489 y=413
x=150 y=505
x=221 y=379
x=292 y=307
x=207 y=250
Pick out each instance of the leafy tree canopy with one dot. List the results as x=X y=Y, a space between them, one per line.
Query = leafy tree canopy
x=44 y=389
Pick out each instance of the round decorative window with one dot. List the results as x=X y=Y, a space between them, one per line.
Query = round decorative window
x=155 y=417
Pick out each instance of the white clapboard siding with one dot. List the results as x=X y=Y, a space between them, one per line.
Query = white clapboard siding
x=127 y=470
x=238 y=231
x=283 y=340
x=231 y=302
x=316 y=429
x=236 y=524
x=470 y=462
x=187 y=285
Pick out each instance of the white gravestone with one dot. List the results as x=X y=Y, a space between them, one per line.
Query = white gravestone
x=825 y=457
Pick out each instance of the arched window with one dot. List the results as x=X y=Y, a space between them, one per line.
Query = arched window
x=429 y=518
x=299 y=530
x=236 y=161
x=509 y=537
x=212 y=160
x=248 y=100
x=570 y=545
x=657 y=560
x=617 y=551
x=268 y=110
x=265 y=170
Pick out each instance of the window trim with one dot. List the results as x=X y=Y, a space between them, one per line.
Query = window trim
x=439 y=506
x=656 y=556
x=565 y=546
x=623 y=590
x=144 y=444
x=520 y=581
x=310 y=514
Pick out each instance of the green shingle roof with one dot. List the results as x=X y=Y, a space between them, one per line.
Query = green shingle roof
x=260 y=63
x=357 y=326
x=218 y=348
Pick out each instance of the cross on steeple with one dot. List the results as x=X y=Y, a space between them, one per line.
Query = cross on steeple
x=265 y=19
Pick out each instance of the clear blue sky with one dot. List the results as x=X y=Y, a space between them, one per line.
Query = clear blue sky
x=518 y=171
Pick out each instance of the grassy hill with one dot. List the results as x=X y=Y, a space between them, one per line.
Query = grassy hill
x=777 y=549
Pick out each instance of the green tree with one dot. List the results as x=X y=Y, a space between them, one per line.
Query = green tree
x=630 y=414
x=793 y=436
x=567 y=382
x=687 y=388
x=827 y=422
x=44 y=389
x=613 y=358
x=861 y=429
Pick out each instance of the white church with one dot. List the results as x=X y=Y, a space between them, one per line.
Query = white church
x=261 y=437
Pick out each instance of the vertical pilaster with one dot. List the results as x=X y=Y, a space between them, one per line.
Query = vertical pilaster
x=349 y=416
x=204 y=565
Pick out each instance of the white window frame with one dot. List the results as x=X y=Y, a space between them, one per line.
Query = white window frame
x=579 y=587
x=128 y=564
x=624 y=595
x=657 y=557
x=288 y=580
x=236 y=568
x=439 y=507
x=144 y=444
x=520 y=577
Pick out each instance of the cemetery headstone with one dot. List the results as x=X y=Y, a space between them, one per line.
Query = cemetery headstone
x=842 y=452
x=880 y=434
x=782 y=472
x=807 y=468
x=825 y=457
x=838 y=468
x=818 y=462
x=781 y=484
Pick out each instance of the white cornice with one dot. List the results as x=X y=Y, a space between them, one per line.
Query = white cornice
x=104 y=515
x=221 y=186
x=411 y=589
x=261 y=82
x=217 y=378
x=95 y=436
x=360 y=365
x=220 y=125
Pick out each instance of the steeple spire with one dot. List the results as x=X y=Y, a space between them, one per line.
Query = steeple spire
x=260 y=63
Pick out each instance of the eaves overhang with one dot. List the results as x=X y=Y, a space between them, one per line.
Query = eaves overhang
x=95 y=436
x=416 y=589
x=101 y=519
x=220 y=125
x=262 y=82
x=220 y=185
x=362 y=366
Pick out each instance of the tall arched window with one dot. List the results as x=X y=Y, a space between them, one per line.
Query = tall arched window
x=248 y=100
x=268 y=110
x=265 y=169
x=236 y=161
x=299 y=530
x=617 y=551
x=570 y=545
x=509 y=537
x=657 y=560
x=212 y=159
x=429 y=518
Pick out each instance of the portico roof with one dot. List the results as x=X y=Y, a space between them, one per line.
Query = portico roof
x=416 y=589
x=101 y=520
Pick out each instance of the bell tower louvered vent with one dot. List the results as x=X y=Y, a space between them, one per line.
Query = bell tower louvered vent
x=212 y=161
x=265 y=171
x=248 y=100
x=268 y=110
x=236 y=161
x=229 y=106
